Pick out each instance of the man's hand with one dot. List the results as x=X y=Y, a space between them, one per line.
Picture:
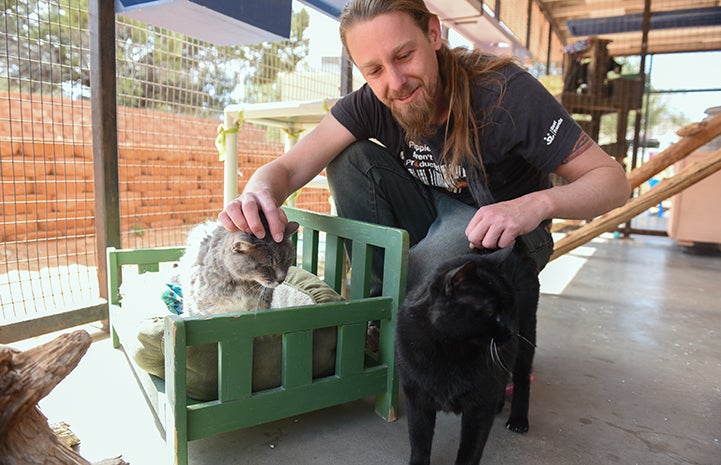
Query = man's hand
x=498 y=225
x=243 y=214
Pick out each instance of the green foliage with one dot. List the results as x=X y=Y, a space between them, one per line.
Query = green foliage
x=267 y=60
x=137 y=230
x=162 y=69
x=46 y=45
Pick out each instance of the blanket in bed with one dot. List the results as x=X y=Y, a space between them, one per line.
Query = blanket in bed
x=145 y=299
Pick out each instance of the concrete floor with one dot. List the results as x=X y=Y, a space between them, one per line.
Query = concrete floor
x=627 y=371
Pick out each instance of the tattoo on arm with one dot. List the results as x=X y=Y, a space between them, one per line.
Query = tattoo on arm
x=583 y=143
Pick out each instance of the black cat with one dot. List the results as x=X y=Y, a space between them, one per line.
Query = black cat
x=458 y=339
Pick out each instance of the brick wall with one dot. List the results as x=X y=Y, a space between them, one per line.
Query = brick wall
x=169 y=171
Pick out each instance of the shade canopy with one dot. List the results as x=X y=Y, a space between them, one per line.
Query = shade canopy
x=221 y=22
x=331 y=8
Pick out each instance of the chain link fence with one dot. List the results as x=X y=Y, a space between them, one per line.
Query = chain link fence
x=171 y=93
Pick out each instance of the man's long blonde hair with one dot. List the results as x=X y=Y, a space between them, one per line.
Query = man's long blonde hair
x=459 y=69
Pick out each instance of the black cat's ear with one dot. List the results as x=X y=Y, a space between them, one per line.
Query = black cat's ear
x=242 y=246
x=460 y=275
x=290 y=229
x=505 y=252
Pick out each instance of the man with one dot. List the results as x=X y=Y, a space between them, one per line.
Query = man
x=468 y=142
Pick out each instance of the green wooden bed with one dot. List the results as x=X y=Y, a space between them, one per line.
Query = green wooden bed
x=358 y=374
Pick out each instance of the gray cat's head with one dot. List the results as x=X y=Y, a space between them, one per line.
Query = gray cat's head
x=264 y=261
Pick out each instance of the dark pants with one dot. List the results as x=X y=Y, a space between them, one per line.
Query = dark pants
x=370 y=184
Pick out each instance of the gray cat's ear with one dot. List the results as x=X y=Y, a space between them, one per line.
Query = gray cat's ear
x=242 y=246
x=290 y=228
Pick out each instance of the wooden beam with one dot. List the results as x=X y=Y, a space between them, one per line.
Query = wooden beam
x=693 y=136
x=696 y=40
x=25 y=329
x=689 y=176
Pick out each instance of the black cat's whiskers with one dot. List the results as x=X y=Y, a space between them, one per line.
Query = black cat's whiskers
x=497 y=358
x=526 y=340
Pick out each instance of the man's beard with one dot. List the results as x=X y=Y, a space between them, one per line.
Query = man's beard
x=415 y=117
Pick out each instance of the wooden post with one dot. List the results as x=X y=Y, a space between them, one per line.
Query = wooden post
x=663 y=190
x=346 y=74
x=105 y=132
x=25 y=378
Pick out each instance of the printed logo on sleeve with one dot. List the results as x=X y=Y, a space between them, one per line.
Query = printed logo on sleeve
x=552 y=131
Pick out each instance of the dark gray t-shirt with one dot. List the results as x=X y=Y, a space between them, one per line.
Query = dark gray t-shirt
x=525 y=137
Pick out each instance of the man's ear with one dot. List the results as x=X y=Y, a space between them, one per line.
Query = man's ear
x=434 y=32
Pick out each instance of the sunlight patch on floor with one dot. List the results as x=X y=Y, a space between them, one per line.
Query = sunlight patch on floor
x=556 y=276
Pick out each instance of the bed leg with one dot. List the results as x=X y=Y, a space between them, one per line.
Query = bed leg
x=176 y=415
x=114 y=337
x=387 y=402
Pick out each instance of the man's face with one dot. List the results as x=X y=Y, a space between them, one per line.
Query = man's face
x=398 y=60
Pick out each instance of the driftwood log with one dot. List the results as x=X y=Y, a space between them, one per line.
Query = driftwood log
x=25 y=378
x=693 y=136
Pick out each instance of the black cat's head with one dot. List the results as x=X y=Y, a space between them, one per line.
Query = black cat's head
x=472 y=301
x=261 y=260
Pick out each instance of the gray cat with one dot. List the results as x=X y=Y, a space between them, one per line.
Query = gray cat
x=223 y=271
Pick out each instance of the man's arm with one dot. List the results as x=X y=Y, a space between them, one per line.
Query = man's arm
x=272 y=183
x=597 y=184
